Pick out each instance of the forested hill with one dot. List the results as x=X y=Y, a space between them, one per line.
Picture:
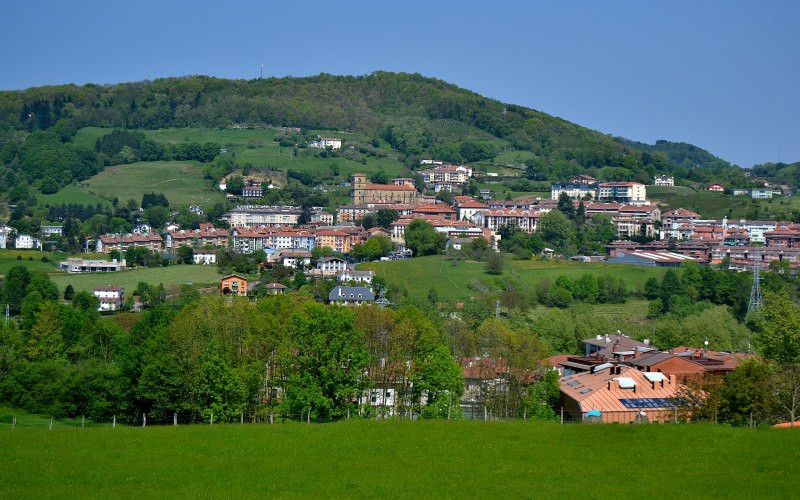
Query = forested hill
x=418 y=116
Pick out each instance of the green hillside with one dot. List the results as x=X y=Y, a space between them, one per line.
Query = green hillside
x=459 y=280
x=389 y=459
x=416 y=116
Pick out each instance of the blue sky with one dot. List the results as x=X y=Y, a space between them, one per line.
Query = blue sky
x=724 y=75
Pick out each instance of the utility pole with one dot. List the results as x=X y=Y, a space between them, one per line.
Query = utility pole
x=755 y=295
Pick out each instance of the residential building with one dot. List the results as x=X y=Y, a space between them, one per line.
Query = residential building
x=233 y=284
x=351 y=295
x=574 y=191
x=77 y=265
x=327 y=267
x=608 y=344
x=276 y=288
x=449 y=174
x=757 y=229
x=678 y=216
x=51 y=231
x=525 y=220
x=719 y=188
x=329 y=142
x=337 y=241
x=583 y=179
x=363 y=193
x=252 y=191
x=111 y=297
x=404 y=181
x=736 y=237
x=257 y=215
x=619 y=394
x=629 y=227
x=5 y=232
x=469 y=208
x=321 y=217
x=142 y=229
x=353 y=213
x=121 y=242
x=783 y=238
x=441 y=211
x=204 y=257
x=27 y=242
x=207 y=234
x=761 y=193
x=663 y=180
x=486 y=194
x=353 y=276
x=622 y=192
x=296 y=259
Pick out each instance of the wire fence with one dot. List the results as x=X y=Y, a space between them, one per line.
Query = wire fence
x=641 y=416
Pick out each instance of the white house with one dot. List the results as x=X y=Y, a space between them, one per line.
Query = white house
x=52 y=230
x=663 y=180
x=111 y=297
x=329 y=266
x=350 y=275
x=143 y=229
x=27 y=242
x=331 y=142
x=204 y=257
x=5 y=232
x=295 y=258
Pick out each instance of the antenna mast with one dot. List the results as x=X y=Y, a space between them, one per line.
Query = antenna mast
x=261 y=75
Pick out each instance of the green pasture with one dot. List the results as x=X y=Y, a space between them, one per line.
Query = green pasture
x=73 y=193
x=170 y=276
x=181 y=182
x=256 y=146
x=712 y=205
x=451 y=279
x=389 y=459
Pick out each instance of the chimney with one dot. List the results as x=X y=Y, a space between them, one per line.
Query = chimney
x=647 y=342
x=607 y=339
x=598 y=337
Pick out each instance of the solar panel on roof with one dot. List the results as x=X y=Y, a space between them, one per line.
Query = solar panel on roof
x=648 y=403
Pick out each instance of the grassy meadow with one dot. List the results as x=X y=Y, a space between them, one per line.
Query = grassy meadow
x=376 y=459
x=712 y=205
x=171 y=277
x=451 y=279
x=257 y=147
x=181 y=182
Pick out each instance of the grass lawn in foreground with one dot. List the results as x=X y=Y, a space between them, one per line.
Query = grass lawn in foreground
x=451 y=278
x=426 y=459
x=171 y=276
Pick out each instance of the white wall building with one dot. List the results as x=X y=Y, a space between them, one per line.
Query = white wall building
x=27 y=242
x=622 y=192
x=110 y=297
x=663 y=180
x=204 y=257
x=256 y=215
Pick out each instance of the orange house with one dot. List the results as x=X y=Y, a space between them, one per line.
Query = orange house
x=233 y=284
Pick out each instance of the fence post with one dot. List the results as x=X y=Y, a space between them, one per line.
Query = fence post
x=13 y=422
x=751 y=419
x=114 y=423
x=308 y=417
x=144 y=420
x=51 y=423
x=83 y=421
x=524 y=414
x=562 y=415
x=241 y=418
x=485 y=414
x=271 y=418
x=175 y=418
x=212 y=418
x=675 y=410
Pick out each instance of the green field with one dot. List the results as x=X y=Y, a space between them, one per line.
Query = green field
x=73 y=194
x=713 y=205
x=181 y=182
x=451 y=279
x=171 y=277
x=387 y=459
x=264 y=151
